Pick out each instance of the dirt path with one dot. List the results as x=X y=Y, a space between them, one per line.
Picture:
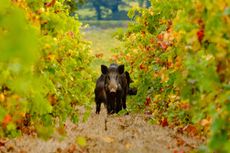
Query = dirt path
x=106 y=134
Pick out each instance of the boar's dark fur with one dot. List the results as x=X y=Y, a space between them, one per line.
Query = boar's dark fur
x=100 y=95
x=131 y=91
x=112 y=88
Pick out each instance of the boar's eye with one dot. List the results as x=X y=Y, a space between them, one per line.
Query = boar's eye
x=108 y=77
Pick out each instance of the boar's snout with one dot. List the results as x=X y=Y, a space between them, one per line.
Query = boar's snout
x=113 y=91
x=113 y=87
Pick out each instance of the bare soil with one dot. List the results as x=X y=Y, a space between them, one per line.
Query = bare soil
x=106 y=134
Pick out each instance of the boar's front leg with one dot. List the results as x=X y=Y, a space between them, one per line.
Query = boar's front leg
x=111 y=104
x=98 y=104
x=118 y=102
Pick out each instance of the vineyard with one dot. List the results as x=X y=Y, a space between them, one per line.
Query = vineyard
x=177 y=53
x=44 y=67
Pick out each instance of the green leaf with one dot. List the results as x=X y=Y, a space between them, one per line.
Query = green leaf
x=44 y=132
x=227 y=11
x=2 y=113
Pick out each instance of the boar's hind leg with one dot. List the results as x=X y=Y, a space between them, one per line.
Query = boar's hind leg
x=124 y=102
x=98 y=108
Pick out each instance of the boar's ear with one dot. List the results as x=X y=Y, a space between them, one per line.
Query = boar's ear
x=121 y=69
x=104 y=69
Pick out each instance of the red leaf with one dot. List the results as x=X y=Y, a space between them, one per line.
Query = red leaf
x=164 y=122
x=142 y=66
x=161 y=90
x=160 y=37
x=163 y=45
x=200 y=35
x=190 y=129
x=147 y=103
x=6 y=120
x=152 y=41
x=148 y=99
x=185 y=106
x=50 y=4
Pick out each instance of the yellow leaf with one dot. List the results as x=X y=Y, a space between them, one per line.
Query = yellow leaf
x=164 y=77
x=51 y=57
x=2 y=97
x=157 y=97
x=81 y=141
x=205 y=122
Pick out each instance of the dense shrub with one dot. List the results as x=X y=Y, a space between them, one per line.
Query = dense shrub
x=178 y=52
x=44 y=66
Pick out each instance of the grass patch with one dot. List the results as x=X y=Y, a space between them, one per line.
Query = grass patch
x=106 y=24
x=102 y=41
x=100 y=34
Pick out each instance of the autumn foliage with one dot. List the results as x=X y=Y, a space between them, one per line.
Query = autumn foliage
x=178 y=52
x=44 y=67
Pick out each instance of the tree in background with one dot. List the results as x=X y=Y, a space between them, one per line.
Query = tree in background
x=112 y=5
x=144 y=3
x=73 y=5
x=110 y=9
